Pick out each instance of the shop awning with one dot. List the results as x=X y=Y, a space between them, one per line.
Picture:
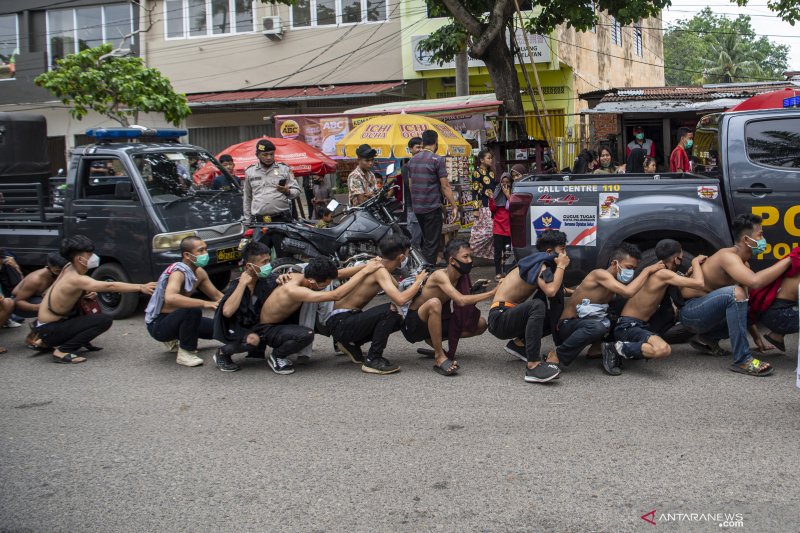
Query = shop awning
x=663 y=106
x=293 y=93
x=486 y=103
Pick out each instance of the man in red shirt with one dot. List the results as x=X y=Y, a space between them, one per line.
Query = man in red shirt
x=679 y=159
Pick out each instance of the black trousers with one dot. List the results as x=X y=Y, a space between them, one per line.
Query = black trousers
x=511 y=322
x=285 y=339
x=309 y=202
x=185 y=324
x=500 y=243
x=578 y=333
x=374 y=325
x=431 y=226
x=241 y=345
x=74 y=333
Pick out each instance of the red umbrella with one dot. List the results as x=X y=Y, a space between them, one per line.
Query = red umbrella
x=770 y=100
x=301 y=158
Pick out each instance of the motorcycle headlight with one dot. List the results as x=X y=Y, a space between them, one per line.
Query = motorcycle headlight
x=170 y=241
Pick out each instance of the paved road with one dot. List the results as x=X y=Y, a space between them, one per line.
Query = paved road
x=129 y=441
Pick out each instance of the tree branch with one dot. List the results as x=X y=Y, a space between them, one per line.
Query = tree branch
x=497 y=22
x=464 y=17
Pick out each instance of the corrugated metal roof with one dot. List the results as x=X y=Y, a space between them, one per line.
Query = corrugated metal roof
x=292 y=93
x=705 y=93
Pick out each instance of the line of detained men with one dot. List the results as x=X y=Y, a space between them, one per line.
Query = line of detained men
x=261 y=310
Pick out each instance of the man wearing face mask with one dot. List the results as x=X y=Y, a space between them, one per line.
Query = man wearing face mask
x=639 y=141
x=429 y=319
x=59 y=324
x=679 y=159
x=719 y=310
x=173 y=316
x=351 y=326
x=584 y=320
x=240 y=308
x=636 y=337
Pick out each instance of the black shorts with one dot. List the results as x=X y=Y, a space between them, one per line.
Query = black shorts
x=632 y=330
x=416 y=330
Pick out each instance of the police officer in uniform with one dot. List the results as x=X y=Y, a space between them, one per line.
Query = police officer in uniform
x=269 y=187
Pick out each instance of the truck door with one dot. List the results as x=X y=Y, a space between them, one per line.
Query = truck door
x=107 y=209
x=766 y=181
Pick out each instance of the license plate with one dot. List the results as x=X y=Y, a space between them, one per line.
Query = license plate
x=226 y=255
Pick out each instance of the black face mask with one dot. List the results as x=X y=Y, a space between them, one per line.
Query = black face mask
x=464 y=268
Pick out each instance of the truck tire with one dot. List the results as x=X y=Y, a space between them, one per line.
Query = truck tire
x=114 y=304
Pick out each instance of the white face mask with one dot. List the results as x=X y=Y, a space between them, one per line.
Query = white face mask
x=93 y=262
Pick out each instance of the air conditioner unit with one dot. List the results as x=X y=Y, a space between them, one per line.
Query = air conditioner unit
x=271 y=27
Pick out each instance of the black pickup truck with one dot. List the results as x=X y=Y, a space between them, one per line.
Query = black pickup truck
x=133 y=194
x=747 y=162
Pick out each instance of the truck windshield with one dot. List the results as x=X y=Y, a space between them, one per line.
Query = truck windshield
x=706 y=146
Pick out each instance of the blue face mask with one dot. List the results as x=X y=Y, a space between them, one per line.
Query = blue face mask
x=760 y=247
x=625 y=275
x=689 y=143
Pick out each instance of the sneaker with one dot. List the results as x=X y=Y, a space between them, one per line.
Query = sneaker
x=353 y=351
x=542 y=373
x=224 y=361
x=379 y=365
x=516 y=350
x=187 y=358
x=611 y=358
x=280 y=366
x=172 y=346
x=11 y=324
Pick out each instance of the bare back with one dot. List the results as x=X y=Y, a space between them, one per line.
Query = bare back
x=589 y=289
x=433 y=289
x=514 y=289
x=788 y=289
x=645 y=302
x=60 y=299
x=34 y=284
x=281 y=305
x=714 y=274
x=365 y=291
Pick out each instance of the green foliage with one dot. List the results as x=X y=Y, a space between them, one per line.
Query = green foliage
x=713 y=49
x=118 y=87
x=445 y=43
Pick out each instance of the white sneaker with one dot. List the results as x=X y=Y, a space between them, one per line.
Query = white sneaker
x=172 y=346
x=187 y=358
x=11 y=324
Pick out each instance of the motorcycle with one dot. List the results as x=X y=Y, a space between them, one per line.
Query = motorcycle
x=356 y=234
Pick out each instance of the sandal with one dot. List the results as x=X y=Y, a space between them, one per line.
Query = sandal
x=70 y=358
x=781 y=345
x=709 y=347
x=753 y=367
x=448 y=367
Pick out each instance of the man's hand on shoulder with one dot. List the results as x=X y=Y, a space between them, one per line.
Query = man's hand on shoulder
x=655 y=267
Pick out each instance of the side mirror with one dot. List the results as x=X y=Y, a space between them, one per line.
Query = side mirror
x=123 y=191
x=332 y=205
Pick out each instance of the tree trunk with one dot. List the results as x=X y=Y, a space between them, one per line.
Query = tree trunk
x=500 y=64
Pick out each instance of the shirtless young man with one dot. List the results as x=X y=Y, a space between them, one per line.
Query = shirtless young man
x=781 y=317
x=719 y=310
x=634 y=337
x=279 y=327
x=351 y=326
x=58 y=324
x=172 y=315
x=28 y=293
x=584 y=319
x=424 y=318
x=513 y=314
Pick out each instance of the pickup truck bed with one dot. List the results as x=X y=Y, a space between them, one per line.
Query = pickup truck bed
x=30 y=221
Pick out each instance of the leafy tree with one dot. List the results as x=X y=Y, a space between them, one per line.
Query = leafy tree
x=713 y=49
x=117 y=87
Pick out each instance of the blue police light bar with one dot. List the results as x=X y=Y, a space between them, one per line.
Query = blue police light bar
x=793 y=101
x=135 y=133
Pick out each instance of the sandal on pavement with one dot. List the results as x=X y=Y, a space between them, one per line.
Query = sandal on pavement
x=781 y=345
x=69 y=358
x=447 y=367
x=753 y=367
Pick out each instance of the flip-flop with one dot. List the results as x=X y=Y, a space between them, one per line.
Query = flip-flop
x=754 y=367
x=70 y=358
x=446 y=368
x=781 y=345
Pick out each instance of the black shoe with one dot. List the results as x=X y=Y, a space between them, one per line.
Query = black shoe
x=611 y=358
x=516 y=351
x=351 y=350
x=542 y=373
x=224 y=361
x=379 y=365
x=279 y=365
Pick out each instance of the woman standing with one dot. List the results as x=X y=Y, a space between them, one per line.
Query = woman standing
x=501 y=228
x=483 y=185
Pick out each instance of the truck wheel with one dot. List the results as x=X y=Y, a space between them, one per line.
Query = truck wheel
x=115 y=304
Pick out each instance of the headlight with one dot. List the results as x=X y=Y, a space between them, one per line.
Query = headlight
x=168 y=241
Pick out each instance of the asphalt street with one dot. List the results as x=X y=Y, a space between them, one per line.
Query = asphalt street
x=130 y=441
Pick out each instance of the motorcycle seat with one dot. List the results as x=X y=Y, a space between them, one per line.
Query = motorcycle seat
x=333 y=232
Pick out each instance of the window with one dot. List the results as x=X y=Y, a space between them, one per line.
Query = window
x=638 y=45
x=100 y=179
x=774 y=143
x=71 y=30
x=9 y=46
x=616 y=32
x=203 y=18
x=308 y=13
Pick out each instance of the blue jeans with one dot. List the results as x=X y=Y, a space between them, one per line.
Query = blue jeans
x=718 y=315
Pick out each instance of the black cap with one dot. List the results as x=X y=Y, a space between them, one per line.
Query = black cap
x=365 y=151
x=264 y=145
